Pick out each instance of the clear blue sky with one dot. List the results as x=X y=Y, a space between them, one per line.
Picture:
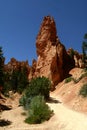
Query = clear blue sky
x=20 y=22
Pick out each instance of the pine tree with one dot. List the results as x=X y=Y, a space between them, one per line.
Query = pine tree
x=1 y=68
x=84 y=50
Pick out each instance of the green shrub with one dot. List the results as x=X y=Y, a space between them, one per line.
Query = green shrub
x=25 y=101
x=39 y=111
x=37 y=86
x=83 y=90
x=69 y=79
x=82 y=76
x=85 y=69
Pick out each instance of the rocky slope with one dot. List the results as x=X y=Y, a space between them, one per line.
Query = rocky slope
x=69 y=92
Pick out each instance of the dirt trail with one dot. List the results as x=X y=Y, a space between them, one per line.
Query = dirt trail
x=69 y=119
x=64 y=119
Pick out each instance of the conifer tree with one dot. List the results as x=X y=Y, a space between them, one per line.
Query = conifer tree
x=84 y=50
x=1 y=68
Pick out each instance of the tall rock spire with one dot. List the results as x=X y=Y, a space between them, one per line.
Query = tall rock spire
x=47 y=35
x=53 y=60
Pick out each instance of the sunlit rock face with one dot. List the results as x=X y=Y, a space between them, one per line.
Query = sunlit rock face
x=14 y=64
x=53 y=61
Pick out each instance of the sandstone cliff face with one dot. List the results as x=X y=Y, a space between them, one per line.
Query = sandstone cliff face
x=53 y=61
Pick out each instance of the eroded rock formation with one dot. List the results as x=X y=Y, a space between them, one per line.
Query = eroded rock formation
x=77 y=58
x=14 y=64
x=53 y=61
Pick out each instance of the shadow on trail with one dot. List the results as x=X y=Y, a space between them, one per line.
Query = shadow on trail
x=53 y=100
x=4 y=107
x=4 y=122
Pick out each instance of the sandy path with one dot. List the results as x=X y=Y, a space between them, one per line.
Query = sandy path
x=69 y=119
x=64 y=119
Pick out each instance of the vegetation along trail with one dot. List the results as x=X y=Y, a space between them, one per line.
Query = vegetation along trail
x=63 y=119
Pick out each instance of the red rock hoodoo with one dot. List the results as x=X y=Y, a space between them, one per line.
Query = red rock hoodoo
x=53 y=61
